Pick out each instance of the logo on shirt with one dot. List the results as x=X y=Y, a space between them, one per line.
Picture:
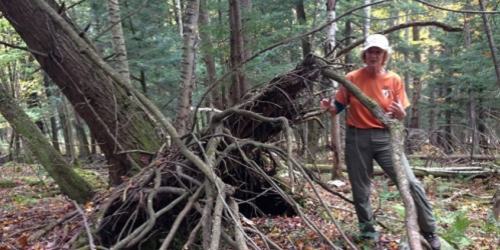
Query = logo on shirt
x=386 y=93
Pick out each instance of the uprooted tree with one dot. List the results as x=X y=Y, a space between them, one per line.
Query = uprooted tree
x=206 y=182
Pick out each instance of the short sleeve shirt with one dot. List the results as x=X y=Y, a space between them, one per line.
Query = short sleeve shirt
x=382 y=89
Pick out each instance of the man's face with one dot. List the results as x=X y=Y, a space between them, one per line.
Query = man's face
x=374 y=57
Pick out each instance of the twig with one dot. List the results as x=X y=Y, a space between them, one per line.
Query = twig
x=139 y=229
x=86 y=224
x=399 y=27
x=193 y=235
x=180 y=217
x=34 y=237
x=23 y=48
x=458 y=11
x=238 y=229
x=217 y=220
x=263 y=237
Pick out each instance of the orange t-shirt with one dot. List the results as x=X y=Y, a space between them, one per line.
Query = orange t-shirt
x=382 y=89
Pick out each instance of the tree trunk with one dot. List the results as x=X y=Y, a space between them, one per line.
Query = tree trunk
x=70 y=183
x=100 y=96
x=190 y=40
x=53 y=122
x=67 y=126
x=472 y=135
x=32 y=102
x=417 y=85
x=335 y=131
x=118 y=41
x=239 y=85
x=448 y=116
x=366 y=24
x=178 y=15
x=83 y=142
x=491 y=41
x=432 y=102
x=301 y=17
x=208 y=59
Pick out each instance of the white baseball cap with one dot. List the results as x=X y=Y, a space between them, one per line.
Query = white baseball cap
x=376 y=40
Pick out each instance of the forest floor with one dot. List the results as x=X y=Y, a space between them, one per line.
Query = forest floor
x=30 y=201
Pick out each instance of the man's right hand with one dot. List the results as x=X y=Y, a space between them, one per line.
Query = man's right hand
x=327 y=105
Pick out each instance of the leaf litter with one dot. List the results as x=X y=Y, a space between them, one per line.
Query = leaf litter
x=462 y=208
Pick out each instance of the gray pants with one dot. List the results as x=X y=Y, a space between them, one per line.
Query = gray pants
x=362 y=147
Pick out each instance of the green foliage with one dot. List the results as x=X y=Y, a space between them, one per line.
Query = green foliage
x=490 y=226
x=459 y=223
x=7 y=183
x=387 y=194
x=400 y=210
x=24 y=200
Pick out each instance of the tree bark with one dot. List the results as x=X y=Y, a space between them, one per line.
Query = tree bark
x=417 y=84
x=335 y=131
x=190 y=40
x=70 y=183
x=67 y=126
x=100 y=96
x=208 y=59
x=472 y=135
x=239 y=85
x=301 y=17
x=53 y=122
x=491 y=41
x=118 y=41
x=83 y=142
x=366 y=25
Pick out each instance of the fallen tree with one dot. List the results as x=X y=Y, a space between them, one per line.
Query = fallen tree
x=211 y=181
x=450 y=172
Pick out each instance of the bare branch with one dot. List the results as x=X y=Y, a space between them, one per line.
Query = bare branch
x=23 y=48
x=441 y=25
x=457 y=11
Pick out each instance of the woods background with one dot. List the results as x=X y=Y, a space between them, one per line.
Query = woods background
x=131 y=83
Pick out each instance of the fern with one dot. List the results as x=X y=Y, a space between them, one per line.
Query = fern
x=458 y=225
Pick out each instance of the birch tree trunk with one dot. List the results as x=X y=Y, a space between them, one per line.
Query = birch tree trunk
x=118 y=41
x=178 y=12
x=335 y=131
x=366 y=26
x=190 y=39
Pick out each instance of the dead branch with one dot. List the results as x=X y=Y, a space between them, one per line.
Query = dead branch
x=86 y=225
x=441 y=25
x=457 y=11
x=47 y=229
